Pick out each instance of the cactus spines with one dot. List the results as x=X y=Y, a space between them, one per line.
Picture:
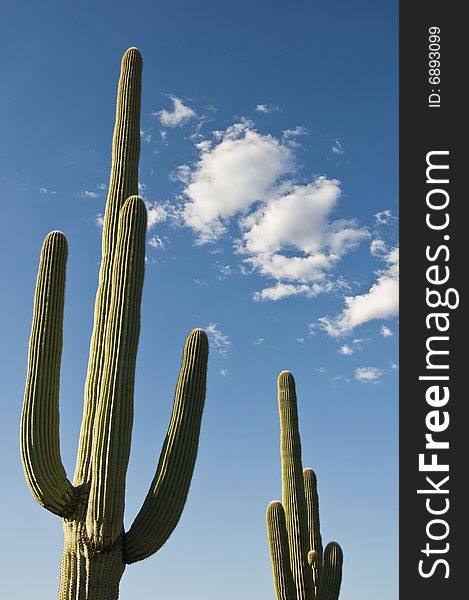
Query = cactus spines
x=96 y=548
x=301 y=570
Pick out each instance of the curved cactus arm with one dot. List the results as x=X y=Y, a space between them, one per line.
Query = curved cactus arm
x=123 y=183
x=114 y=415
x=331 y=577
x=312 y=507
x=40 y=444
x=280 y=552
x=293 y=492
x=165 y=500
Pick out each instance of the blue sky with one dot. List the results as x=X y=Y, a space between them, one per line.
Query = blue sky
x=269 y=168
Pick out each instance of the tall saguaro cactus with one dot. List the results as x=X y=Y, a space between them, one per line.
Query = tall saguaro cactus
x=96 y=548
x=301 y=569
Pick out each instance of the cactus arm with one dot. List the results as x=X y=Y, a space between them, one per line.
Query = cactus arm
x=40 y=444
x=293 y=494
x=279 y=552
x=114 y=415
x=331 y=577
x=165 y=500
x=312 y=507
x=123 y=183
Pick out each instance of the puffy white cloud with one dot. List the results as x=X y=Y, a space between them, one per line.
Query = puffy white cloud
x=346 y=350
x=178 y=116
x=380 y=302
x=368 y=374
x=243 y=168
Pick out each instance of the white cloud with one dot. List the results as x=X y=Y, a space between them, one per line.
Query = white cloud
x=178 y=116
x=266 y=108
x=368 y=374
x=156 y=213
x=295 y=132
x=346 y=350
x=394 y=365
x=89 y=194
x=225 y=271
x=99 y=220
x=224 y=372
x=337 y=148
x=383 y=217
x=284 y=290
x=146 y=136
x=258 y=341
x=242 y=168
x=156 y=242
x=43 y=190
x=299 y=221
x=378 y=248
x=217 y=339
x=385 y=331
x=380 y=302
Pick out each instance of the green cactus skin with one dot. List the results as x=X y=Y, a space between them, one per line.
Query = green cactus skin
x=301 y=570
x=96 y=548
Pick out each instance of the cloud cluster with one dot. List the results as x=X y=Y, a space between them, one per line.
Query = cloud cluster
x=286 y=230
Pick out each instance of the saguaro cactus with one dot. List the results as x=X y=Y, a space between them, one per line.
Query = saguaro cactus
x=96 y=548
x=301 y=570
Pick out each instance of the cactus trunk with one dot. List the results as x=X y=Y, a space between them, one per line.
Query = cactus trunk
x=96 y=548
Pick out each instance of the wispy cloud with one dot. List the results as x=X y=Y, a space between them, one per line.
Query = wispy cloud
x=384 y=217
x=368 y=374
x=346 y=350
x=217 y=339
x=145 y=136
x=157 y=212
x=337 y=148
x=89 y=194
x=266 y=108
x=176 y=117
x=156 y=242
